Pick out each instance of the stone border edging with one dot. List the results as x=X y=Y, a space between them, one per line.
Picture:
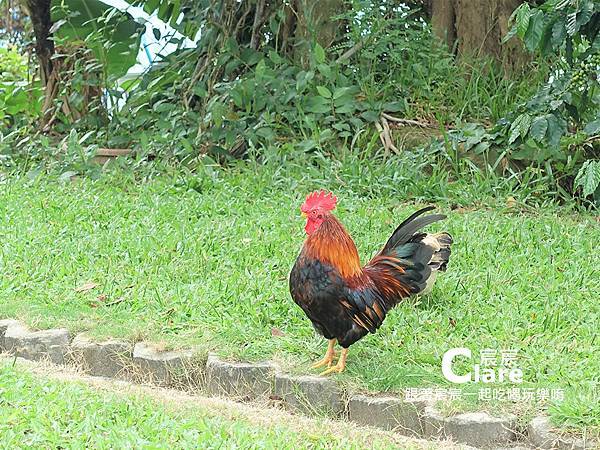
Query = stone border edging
x=309 y=395
x=543 y=435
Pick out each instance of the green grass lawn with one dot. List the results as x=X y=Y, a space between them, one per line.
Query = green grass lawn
x=37 y=412
x=203 y=260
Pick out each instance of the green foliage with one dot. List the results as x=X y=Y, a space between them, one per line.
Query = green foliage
x=249 y=99
x=556 y=26
x=13 y=66
x=231 y=96
x=258 y=98
x=588 y=178
x=557 y=129
x=19 y=100
x=401 y=59
x=113 y=35
x=169 y=11
x=570 y=30
x=321 y=103
x=78 y=83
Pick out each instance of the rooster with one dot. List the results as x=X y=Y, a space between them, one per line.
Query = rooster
x=345 y=301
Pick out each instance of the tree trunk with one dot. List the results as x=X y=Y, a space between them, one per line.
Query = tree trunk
x=39 y=12
x=314 y=23
x=475 y=28
x=443 y=21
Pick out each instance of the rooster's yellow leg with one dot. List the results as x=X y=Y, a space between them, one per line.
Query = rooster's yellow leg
x=341 y=364
x=328 y=360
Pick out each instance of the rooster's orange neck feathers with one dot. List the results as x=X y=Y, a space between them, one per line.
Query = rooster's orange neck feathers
x=331 y=243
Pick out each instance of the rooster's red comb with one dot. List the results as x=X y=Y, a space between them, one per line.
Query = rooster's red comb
x=319 y=199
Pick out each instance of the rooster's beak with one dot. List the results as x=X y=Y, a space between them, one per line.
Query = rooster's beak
x=303 y=214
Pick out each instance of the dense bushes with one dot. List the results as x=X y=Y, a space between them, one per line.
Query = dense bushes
x=19 y=99
x=235 y=94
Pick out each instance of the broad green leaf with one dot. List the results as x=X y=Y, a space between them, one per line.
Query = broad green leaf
x=556 y=128
x=370 y=116
x=266 y=132
x=394 y=106
x=115 y=44
x=317 y=104
x=588 y=177
x=341 y=126
x=538 y=128
x=514 y=133
x=524 y=124
x=319 y=54
x=338 y=92
x=150 y=6
x=520 y=127
x=260 y=69
x=307 y=145
x=345 y=99
x=237 y=98
x=534 y=31
x=545 y=47
x=592 y=128
x=325 y=70
x=584 y=14
x=345 y=109
x=511 y=33
x=175 y=12
x=523 y=14
x=324 y=92
x=481 y=147
x=356 y=122
x=559 y=33
x=274 y=56
x=251 y=56
x=165 y=10
x=66 y=176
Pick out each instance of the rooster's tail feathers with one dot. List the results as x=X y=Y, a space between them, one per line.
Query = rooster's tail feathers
x=440 y=242
x=418 y=256
x=407 y=229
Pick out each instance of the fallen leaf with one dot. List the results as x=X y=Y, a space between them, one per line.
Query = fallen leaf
x=276 y=332
x=452 y=321
x=511 y=202
x=86 y=287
